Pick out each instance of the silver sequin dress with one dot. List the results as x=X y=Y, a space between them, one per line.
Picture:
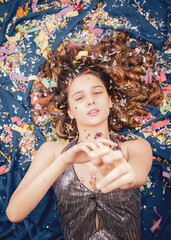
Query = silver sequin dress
x=118 y=211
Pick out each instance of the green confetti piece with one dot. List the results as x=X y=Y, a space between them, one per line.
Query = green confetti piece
x=48 y=83
x=22 y=29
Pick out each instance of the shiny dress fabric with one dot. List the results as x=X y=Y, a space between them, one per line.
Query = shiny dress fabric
x=118 y=211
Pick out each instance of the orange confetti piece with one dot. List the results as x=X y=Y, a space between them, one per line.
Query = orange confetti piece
x=20 y=12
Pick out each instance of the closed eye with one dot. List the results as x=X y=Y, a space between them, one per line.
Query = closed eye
x=78 y=98
x=99 y=92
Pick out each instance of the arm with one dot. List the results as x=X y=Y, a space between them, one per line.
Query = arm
x=46 y=167
x=140 y=157
x=41 y=174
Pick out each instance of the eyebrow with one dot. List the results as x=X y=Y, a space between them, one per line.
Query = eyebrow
x=83 y=91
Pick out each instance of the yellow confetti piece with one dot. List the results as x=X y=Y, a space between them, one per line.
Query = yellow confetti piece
x=14 y=38
x=18 y=129
x=25 y=129
x=81 y=54
x=72 y=13
x=50 y=25
x=42 y=42
x=43 y=37
x=1 y=65
x=33 y=77
x=29 y=127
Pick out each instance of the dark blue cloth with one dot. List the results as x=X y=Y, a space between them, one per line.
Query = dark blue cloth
x=146 y=21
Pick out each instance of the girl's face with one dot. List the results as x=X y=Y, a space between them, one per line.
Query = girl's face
x=89 y=102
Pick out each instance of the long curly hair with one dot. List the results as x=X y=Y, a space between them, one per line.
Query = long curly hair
x=121 y=69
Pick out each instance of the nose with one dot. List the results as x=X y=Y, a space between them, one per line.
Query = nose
x=90 y=101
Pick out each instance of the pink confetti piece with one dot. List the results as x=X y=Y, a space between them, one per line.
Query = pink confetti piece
x=5 y=51
x=163 y=76
x=153 y=228
x=64 y=11
x=148 y=76
x=18 y=120
x=17 y=77
x=160 y=124
x=157 y=78
x=65 y=1
x=147 y=117
x=73 y=45
x=95 y=30
x=166 y=174
x=168 y=89
x=3 y=169
x=34 y=4
x=8 y=137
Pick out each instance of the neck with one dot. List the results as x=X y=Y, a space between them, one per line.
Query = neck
x=87 y=133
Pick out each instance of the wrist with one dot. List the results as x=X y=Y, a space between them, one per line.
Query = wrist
x=61 y=160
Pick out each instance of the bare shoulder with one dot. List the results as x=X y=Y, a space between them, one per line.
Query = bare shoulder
x=133 y=143
x=46 y=154
x=139 y=145
x=52 y=148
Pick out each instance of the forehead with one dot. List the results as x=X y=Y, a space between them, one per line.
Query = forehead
x=85 y=81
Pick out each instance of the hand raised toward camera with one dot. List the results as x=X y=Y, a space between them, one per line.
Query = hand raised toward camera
x=112 y=164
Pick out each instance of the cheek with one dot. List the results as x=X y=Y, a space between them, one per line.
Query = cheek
x=76 y=108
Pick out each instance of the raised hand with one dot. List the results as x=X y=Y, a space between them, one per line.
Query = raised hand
x=117 y=171
x=79 y=153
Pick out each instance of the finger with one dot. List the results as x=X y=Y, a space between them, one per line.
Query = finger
x=97 y=161
x=113 y=175
x=127 y=180
x=100 y=151
x=85 y=149
x=107 y=156
x=81 y=147
x=113 y=156
x=92 y=150
x=92 y=146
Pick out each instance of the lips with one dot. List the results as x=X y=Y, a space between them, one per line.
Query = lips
x=93 y=112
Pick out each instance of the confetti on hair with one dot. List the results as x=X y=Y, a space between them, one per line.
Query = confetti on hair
x=148 y=76
x=87 y=71
x=81 y=54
